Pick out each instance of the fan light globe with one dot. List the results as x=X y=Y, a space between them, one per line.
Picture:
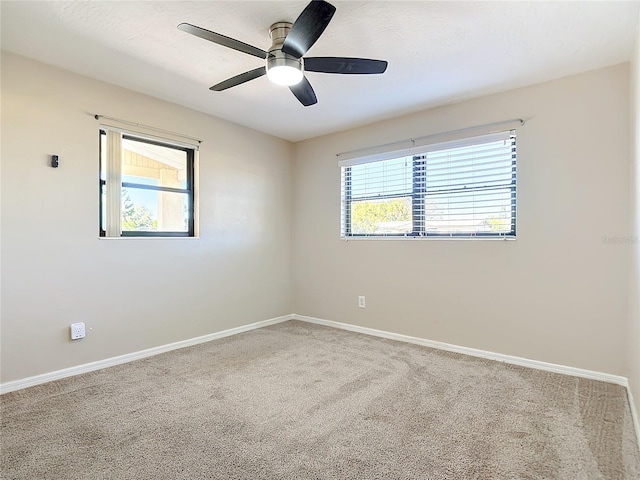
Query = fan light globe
x=284 y=75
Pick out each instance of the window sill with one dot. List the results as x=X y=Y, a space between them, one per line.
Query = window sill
x=148 y=238
x=417 y=239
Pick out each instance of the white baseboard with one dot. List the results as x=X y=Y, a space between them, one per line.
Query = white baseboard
x=524 y=362
x=129 y=357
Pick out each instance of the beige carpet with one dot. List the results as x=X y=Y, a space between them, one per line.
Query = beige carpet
x=300 y=401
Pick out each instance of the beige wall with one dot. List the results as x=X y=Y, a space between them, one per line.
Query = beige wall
x=557 y=294
x=132 y=294
x=634 y=284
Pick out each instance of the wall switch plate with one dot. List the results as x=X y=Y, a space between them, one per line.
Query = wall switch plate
x=361 y=303
x=77 y=330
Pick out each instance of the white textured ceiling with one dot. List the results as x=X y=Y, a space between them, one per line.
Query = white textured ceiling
x=438 y=52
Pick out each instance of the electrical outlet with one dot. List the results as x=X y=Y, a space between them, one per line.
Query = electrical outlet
x=361 y=301
x=77 y=330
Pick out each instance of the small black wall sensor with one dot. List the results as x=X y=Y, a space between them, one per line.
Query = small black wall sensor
x=54 y=161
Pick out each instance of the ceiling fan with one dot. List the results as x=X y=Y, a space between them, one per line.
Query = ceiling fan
x=285 y=61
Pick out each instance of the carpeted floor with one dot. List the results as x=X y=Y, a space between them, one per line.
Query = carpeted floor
x=300 y=401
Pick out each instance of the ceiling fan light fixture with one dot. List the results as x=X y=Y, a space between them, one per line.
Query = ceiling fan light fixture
x=282 y=69
x=284 y=75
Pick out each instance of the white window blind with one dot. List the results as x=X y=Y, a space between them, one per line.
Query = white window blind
x=461 y=188
x=113 y=184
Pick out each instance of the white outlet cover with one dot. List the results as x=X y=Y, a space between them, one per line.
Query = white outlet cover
x=77 y=330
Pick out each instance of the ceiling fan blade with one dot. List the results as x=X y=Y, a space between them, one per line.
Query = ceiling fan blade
x=222 y=40
x=239 y=79
x=304 y=92
x=308 y=27
x=349 y=66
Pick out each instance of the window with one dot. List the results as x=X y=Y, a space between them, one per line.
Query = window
x=146 y=186
x=465 y=188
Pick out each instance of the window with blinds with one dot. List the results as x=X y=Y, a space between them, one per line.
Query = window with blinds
x=464 y=188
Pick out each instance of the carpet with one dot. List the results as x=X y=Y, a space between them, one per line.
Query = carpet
x=302 y=401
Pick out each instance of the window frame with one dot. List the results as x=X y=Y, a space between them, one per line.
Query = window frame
x=189 y=190
x=418 y=196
